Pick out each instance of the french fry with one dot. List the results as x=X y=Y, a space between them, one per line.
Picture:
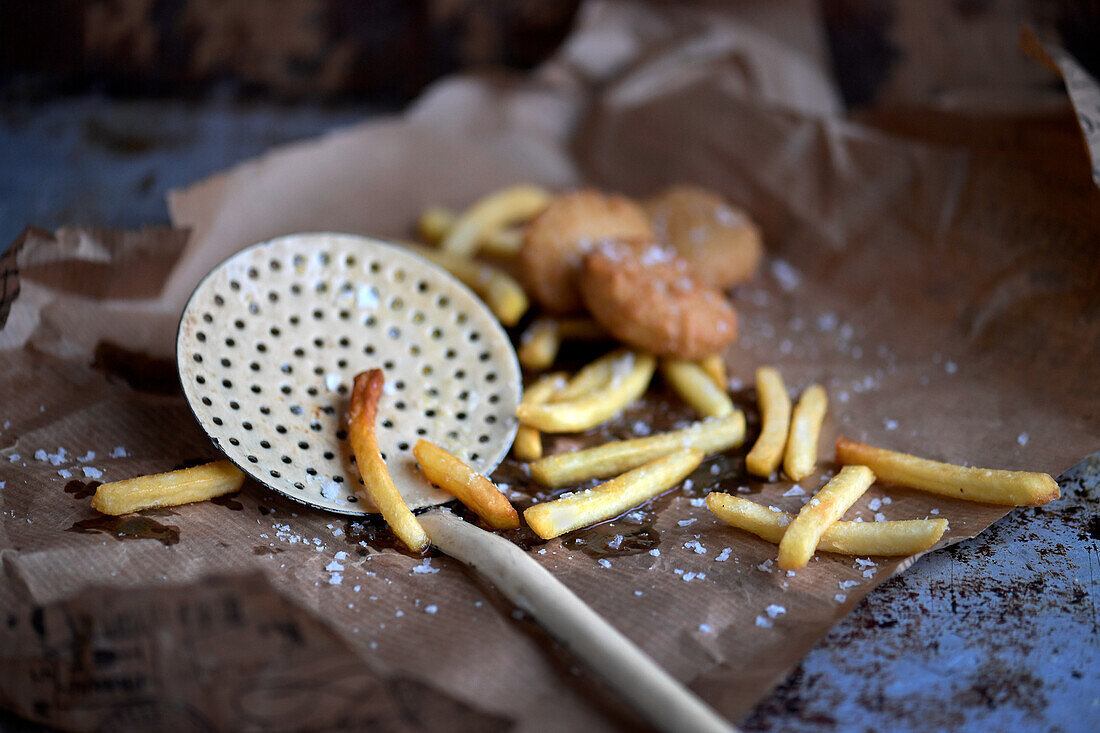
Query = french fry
x=504 y=295
x=492 y=213
x=528 y=443
x=1010 y=488
x=906 y=537
x=630 y=375
x=715 y=367
x=541 y=341
x=503 y=242
x=696 y=387
x=610 y=459
x=802 y=535
x=467 y=485
x=612 y=498
x=362 y=411
x=173 y=488
x=801 y=454
x=589 y=378
x=539 y=344
x=775 y=416
x=434 y=223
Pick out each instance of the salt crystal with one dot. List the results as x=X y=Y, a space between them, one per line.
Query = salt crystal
x=705 y=628
x=887 y=500
x=90 y=472
x=605 y=562
x=723 y=555
x=698 y=502
x=1022 y=438
x=64 y=473
x=637 y=592
x=890 y=424
x=715 y=469
x=688 y=483
x=880 y=517
x=696 y=547
x=399 y=614
x=425 y=567
x=763 y=622
x=89 y=456
x=950 y=367
x=655 y=552
x=795 y=490
x=766 y=566
x=641 y=428
x=431 y=609
x=875 y=504
x=615 y=542
x=786 y=275
x=335 y=579
x=934 y=511
x=865 y=562
x=783 y=520
x=869 y=572
x=840 y=597
x=118 y=452
x=846 y=584
x=686 y=522
x=815 y=501
x=688 y=577
x=334 y=566
x=13 y=458
x=774 y=610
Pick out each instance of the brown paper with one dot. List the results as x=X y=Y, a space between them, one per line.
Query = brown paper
x=940 y=282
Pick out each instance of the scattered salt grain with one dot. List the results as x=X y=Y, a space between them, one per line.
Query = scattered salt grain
x=846 y=584
x=880 y=517
x=64 y=473
x=696 y=547
x=763 y=622
x=431 y=608
x=887 y=500
x=795 y=490
x=698 y=502
x=840 y=597
x=425 y=567
x=765 y=566
x=334 y=566
x=688 y=483
x=869 y=572
x=774 y=610
x=865 y=562
x=118 y=452
x=875 y=504
x=786 y=275
x=686 y=522
x=90 y=472
x=637 y=592
x=715 y=469
x=815 y=501
x=605 y=562
x=705 y=628
x=615 y=542
x=655 y=552
x=723 y=555
x=933 y=511
x=1022 y=438
x=13 y=458
x=890 y=424
x=89 y=456
x=783 y=520
x=950 y=367
x=641 y=428
x=335 y=579
x=330 y=489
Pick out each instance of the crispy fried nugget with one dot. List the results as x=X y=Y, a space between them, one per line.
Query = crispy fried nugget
x=647 y=297
x=719 y=240
x=557 y=239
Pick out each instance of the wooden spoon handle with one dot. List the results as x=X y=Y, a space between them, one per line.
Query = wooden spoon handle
x=659 y=698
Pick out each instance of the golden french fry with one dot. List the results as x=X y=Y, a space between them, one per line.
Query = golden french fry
x=630 y=375
x=539 y=344
x=801 y=454
x=592 y=376
x=467 y=485
x=775 y=417
x=528 y=443
x=504 y=295
x=1011 y=488
x=434 y=223
x=715 y=367
x=801 y=538
x=907 y=537
x=492 y=213
x=168 y=489
x=610 y=459
x=503 y=242
x=379 y=486
x=696 y=387
x=612 y=498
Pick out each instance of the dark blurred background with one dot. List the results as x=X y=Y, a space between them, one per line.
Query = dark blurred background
x=108 y=104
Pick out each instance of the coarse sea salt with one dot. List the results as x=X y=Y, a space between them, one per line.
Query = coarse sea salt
x=774 y=610
x=90 y=472
x=846 y=584
x=723 y=555
x=605 y=562
x=1022 y=439
x=431 y=608
x=655 y=552
x=705 y=628
x=686 y=522
x=696 y=547
x=425 y=567
x=795 y=490
x=118 y=452
x=763 y=622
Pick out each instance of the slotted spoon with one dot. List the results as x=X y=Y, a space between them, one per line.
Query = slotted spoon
x=267 y=348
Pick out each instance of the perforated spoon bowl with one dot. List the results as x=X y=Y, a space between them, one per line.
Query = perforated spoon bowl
x=267 y=348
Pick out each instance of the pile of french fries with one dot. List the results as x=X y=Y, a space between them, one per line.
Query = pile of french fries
x=636 y=470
